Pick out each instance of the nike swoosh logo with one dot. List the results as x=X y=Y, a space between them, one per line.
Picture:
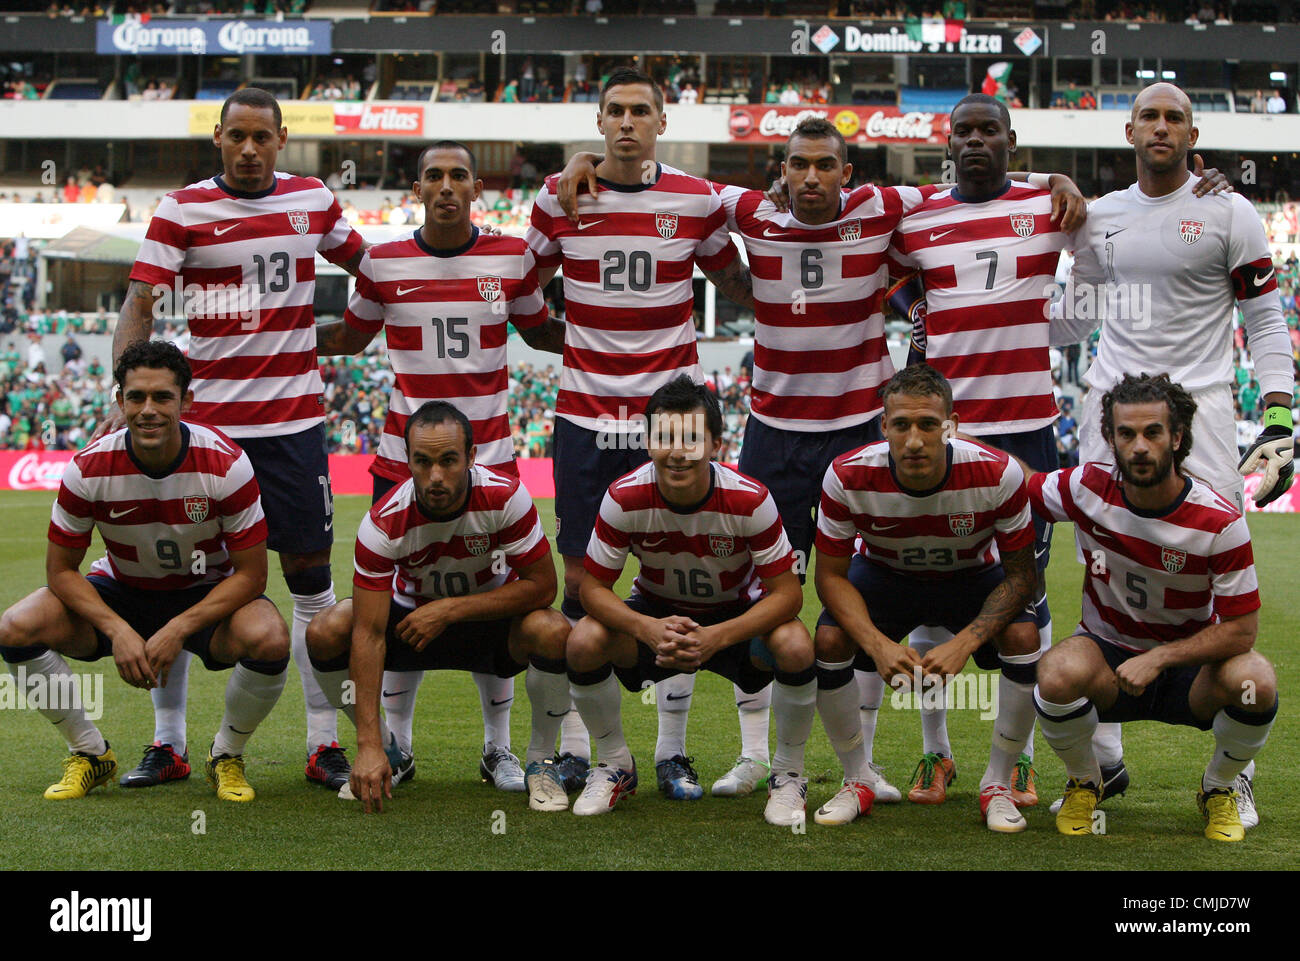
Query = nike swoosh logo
x=1261 y=281
x=237 y=730
x=394 y=693
x=651 y=545
x=743 y=703
x=329 y=526
x=589 y=223
x=499 y=703
x=780 y=232
x=218 y=231
x=114 y=515
x=934 y=236
x=680 y=697
x=887 y=527
x=1243 y=760
x=1112 y=233
x=402 y=292
x=553 y=714
x=1098 y=532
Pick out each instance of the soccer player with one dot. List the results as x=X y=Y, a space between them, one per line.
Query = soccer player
x=236 y=253
x=453 y=572
x=716 y=590
x=1170 y=606
x=1168 y=269
x=628 y=261
x=178 y=509
x=443 y=297
x=925 y=529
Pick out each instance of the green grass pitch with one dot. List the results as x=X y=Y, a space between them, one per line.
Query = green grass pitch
x=448 y=819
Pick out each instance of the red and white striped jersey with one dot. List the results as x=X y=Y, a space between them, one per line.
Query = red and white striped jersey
x=627 y=288
x=989 y=271
x=1152 y=578
x=820 y=355
x=978 y=513
x=162 y=532
x=445 y=313
x=711 y=558
x=420 y=559
x=243 y=267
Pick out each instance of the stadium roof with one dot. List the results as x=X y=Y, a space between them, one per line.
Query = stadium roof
x=88 y=244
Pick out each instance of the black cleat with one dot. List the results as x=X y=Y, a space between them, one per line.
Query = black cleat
x=160 y=763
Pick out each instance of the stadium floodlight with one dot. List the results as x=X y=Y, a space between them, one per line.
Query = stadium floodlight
x=1277 y=76
x=1146 y=74
x=1168 y=75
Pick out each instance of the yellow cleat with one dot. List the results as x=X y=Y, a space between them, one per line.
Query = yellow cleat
x=1222 y=819
x=226 y=774
x=1075 y=816
x=82 y=773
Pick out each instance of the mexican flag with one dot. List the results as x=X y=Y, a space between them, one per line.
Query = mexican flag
x=934 y=30
x=995 y=81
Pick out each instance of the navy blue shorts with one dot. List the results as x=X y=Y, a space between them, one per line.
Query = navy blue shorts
x=735 y=663
x=792 y=464
x=583 y=473
x=1166 y=699
x=148 y=612
x=1037 y=448
x=480 y=646
x=898 y=604
x=293 y=473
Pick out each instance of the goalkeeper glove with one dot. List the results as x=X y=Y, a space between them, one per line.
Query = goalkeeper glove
x=1272 y=454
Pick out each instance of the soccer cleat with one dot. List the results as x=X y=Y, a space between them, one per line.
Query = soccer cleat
x=852 y=799
x=885 y=792
x=606 y=786
x=678 y=780
x=787 y=796
x=501 y=768
x=160 y=763
x=1246 y=801
x=572 y=770
x=226 y=774
x=545 y=787
x=1075 y=816
x=1222 y=819
x=1114 y=782
x=1023 y=792
x=999 y=810
x=930 y=780
x=329 y=766
x=82 y=773
x=743 y=779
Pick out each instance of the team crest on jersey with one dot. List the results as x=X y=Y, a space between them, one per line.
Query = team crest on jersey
x=722 y=545
x=851 y=231
x=477 y=544
x=299 y=220
x=196 y=508
x=666 y=224
x=1022 y=224
x=489 y=288
x=1190 y=230
x=961 y=524
x=1172 y=559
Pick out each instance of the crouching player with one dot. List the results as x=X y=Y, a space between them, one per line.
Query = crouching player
x=945 y=540
x=178 y=509
x=716 y=590
x=453 y=572
x=1170 y=606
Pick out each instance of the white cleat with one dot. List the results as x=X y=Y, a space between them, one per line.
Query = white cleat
x=605 y=787
x=546 y=787
x=501 y=768
x=1000 y=812
x=1246 y=809
x=854 y=798
x=786 y=798
x=885 y=792
x=742 y=780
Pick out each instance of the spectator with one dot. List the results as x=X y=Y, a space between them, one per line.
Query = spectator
x=1087 y=101
x=1258 y=104
x=70 y=350
x=689 y=95
x=1275 y=103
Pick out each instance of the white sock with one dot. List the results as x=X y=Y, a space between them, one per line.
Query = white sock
x=330 y=684
x=1236 y=738
x=574 y=738
x=601 y=707
x=77 y=729
x=169 y=704
x=673 y=696
x=548 y=695
x=871 y=694
x=934 y=720
x=1071 y=737
x=322 y=720
x=1108 y=745
x=399 y=706
x=839 y=713
x=495 y=695
x=250 y=696
x=1011 y=727
x=793 y=708
x=753 y=711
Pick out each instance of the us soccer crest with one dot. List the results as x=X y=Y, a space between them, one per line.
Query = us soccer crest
x=851 y=231
x=299 y=220
x=1190 y=230
x=196 y=508
x=477 y=544
x=666 y=224
x=1022 y=224
x=489 y=288
x=1172 y=559
x=722 y=545
x=961 y=524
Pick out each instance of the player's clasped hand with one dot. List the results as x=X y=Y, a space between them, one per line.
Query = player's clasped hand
x=946 y=659
x=132 y=659
x=422 y=625
x=161 y=650
x=666 y=636
x=895 y=659
x=372 y=778
x=1136 y=673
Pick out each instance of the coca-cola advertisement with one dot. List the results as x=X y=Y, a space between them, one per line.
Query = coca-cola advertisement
x=760 y=124
x=378 y=120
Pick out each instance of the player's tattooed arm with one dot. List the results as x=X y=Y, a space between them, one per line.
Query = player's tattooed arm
x=340 y=337
x=135 y=320
x=1004 y=603
x=548 y=336
x=1218 y=642
x=372 y=777
x=734 y=282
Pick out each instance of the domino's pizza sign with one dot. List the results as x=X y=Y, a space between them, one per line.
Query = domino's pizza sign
x=137 y=36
